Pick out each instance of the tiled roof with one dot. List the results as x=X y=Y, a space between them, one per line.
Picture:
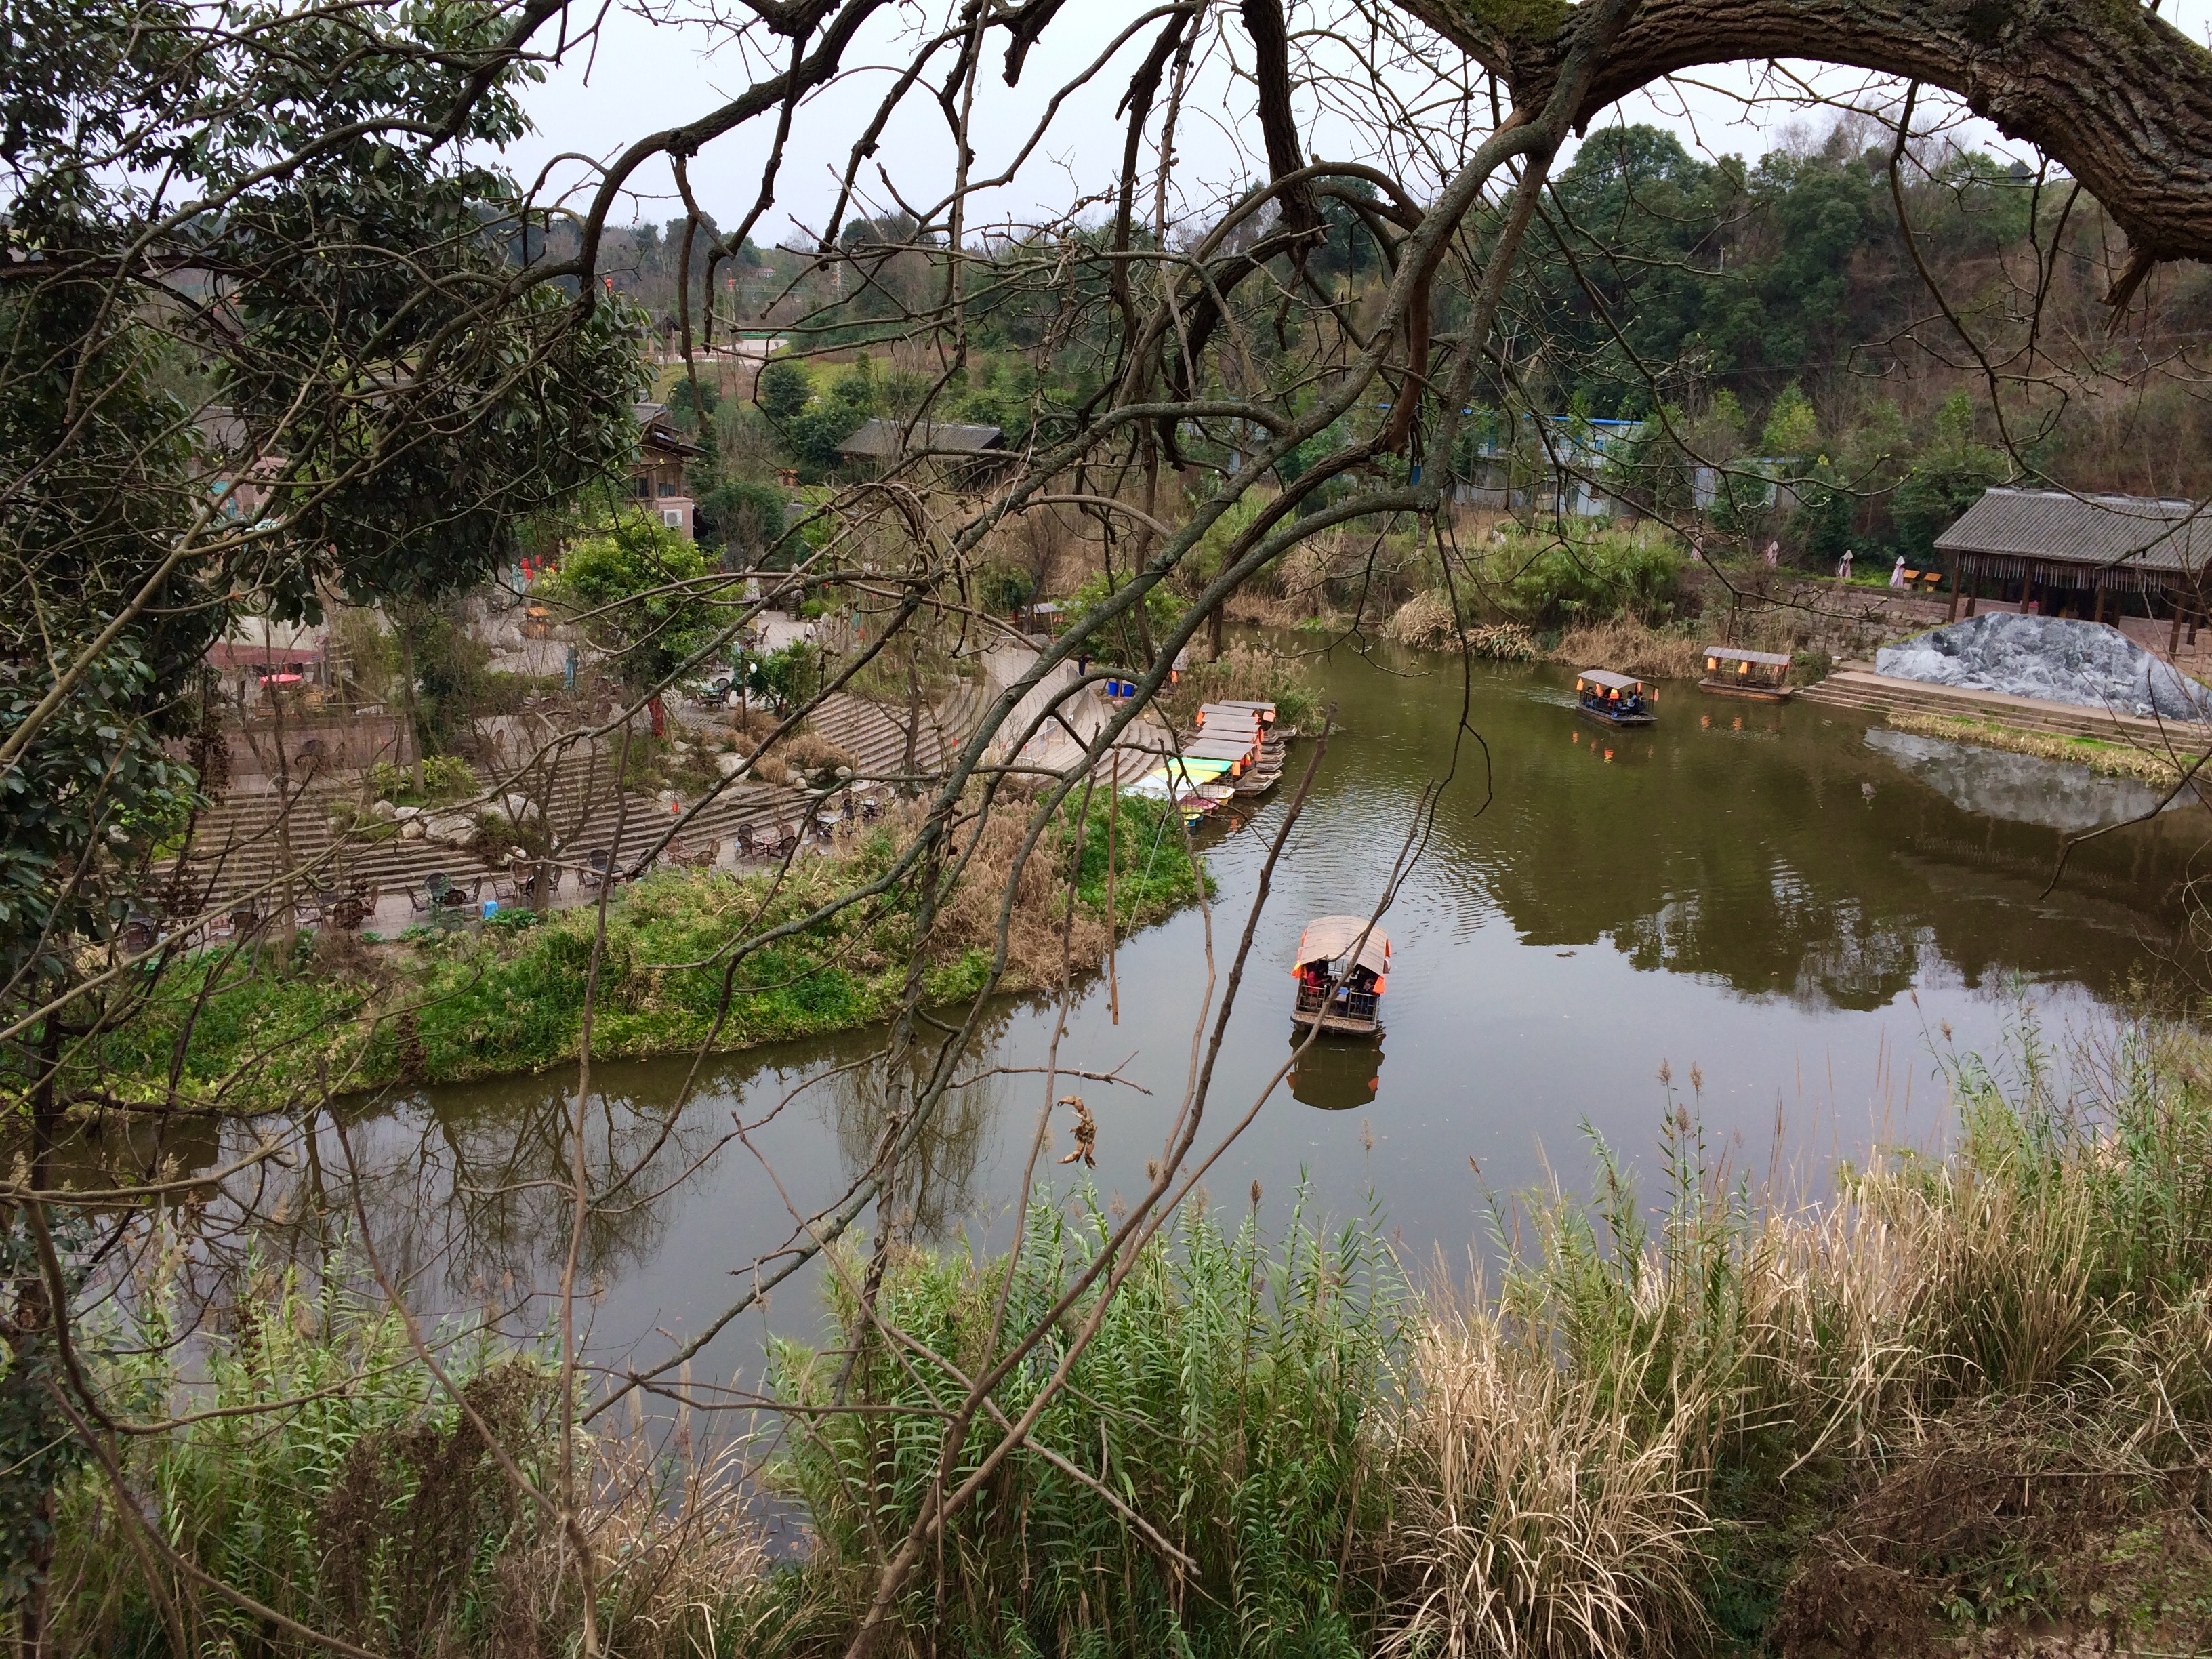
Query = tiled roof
x=2141 y=532
x=880 y=440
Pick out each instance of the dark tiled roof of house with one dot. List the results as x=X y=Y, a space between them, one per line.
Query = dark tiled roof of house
x=2142 y=531
x=660 y=433
x=880 y=440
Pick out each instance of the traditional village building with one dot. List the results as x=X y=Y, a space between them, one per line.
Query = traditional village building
x=2106 y=558
x=964 y=456
x=660 y=477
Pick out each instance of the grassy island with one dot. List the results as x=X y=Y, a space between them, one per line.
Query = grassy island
x=261 y=1024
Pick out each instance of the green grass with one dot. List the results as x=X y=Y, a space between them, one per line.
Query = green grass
x=1232 y=1396
x=2117 y=760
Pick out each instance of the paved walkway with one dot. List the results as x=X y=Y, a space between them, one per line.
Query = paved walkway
x=1068 y=722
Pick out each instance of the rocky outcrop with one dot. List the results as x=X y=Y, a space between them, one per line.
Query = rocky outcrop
x=2050 y=658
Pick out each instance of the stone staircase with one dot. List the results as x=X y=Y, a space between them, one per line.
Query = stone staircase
x=243 y=845
x=874 y=735
x=1856 y=686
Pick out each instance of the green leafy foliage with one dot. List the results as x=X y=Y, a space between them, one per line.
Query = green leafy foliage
x=1947 y=478
x=787 y=676
x=635 y=588
x=746 y=519
x=784 y=389
x=1161 y=609
x=1586 y=572
x=445 y=778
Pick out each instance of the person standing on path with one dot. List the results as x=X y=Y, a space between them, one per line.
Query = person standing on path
x=1843 y=568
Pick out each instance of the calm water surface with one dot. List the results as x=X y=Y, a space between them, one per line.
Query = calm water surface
x=1795 y=905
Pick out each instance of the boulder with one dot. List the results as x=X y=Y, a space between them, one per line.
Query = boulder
x=514 y=807
x=411 y=830
x=451 y=830
x=383 y=811
x=730 y=765
x=2056 y=659
x=404 y=814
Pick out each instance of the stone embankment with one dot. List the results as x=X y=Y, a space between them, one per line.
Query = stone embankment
x=1855 y=685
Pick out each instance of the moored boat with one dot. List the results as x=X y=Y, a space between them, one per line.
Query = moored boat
x=1762 y=675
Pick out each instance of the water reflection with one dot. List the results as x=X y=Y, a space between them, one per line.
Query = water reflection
x=1337 y=1074
x=2019 y=788
x=933 y=1178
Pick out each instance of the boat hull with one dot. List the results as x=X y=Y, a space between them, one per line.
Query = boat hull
x=1753 y=693
x=1604 y=719
x=1342 y=1024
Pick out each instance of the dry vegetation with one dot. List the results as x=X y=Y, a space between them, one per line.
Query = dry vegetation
x=1629 y=647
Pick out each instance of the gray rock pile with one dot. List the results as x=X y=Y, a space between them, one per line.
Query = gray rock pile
x=2052 y=658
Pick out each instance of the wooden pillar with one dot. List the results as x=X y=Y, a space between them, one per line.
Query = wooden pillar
x=2173 y=635
x=1958 y=585
x=2097 y=613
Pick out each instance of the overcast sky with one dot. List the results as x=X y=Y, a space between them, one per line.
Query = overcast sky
x=645 y=75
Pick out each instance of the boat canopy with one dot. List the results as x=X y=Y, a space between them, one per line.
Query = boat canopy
x=1262 y=713
x=1719 y=653
x=1221 y=748
x=1607 y=680
x=1175 y=778
x=1327 y=939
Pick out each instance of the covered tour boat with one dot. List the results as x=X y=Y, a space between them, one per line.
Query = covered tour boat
x=1342 y=963
x=1764 y=675
x=1616 y=698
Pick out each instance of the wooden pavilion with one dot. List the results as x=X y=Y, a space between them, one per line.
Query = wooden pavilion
x=2089 y=556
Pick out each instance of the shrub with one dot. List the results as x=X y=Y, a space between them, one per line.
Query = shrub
x=445 y=778
x=1582 y=574
x=328 y=1474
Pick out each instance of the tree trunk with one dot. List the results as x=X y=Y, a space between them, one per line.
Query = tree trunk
x=406 y=632
x=913 y=758
x=33 y=1316
x=2113 y=92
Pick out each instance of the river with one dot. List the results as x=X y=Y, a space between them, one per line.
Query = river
x=1803 y=919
